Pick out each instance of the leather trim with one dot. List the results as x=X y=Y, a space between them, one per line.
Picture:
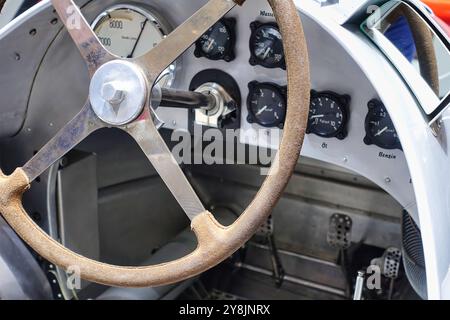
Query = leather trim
x=215 y=242
x=426 y=51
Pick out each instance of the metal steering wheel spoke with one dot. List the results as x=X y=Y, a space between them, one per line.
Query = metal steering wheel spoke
x=81 y=126
x=177 y=42
x=84 y=37
x=147 y=136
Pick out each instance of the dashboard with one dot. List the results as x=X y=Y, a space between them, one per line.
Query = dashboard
x=130 y=30
x=349 y=125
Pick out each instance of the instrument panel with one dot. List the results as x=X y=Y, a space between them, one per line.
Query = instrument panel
x=131 y=30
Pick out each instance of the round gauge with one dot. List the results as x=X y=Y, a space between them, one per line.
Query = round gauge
x=328 y=115
x=218 y=42
x=266 y=46
x=380 y=130
x=267 y=104
x=129 y=31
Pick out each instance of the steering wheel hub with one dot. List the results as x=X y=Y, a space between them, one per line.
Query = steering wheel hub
x=118 y=92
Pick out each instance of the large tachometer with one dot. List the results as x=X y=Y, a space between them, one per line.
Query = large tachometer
x=129 y=31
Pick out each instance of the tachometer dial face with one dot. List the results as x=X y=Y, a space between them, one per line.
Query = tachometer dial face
x=380 y=129
x=266 y=46
x=328 y=115
x=218 y=42
x=129 y=31
x=267 y=104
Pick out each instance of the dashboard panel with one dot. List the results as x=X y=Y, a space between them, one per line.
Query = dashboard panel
x=333 y=72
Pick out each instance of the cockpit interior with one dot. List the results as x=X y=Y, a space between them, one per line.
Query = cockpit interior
x=224 y=150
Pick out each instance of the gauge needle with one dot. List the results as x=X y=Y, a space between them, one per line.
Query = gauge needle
x=261 y=110
x=138 y=38
x=318 y=116
x=267 y=52
x=379 y=133
x=211 y=43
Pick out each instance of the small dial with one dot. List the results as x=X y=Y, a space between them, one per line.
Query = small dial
x=380 y=129
x=266 y=46
x=218 y=42
x=267 y=104
x=328 y=115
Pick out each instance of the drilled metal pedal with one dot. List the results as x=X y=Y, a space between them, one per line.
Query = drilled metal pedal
x=392 y=260
x=340 y=231
x=389 y=263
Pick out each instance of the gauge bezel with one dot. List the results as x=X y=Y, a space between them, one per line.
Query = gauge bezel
x=343 y=102
x=155 y=19
x=369 y=139
x=281 y=90
x=229 y=54
x=254 y=60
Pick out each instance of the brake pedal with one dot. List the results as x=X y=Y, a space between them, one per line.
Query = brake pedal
x=340 y=236
x=340 y=231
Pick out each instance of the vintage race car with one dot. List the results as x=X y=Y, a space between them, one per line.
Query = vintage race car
x=224 y=149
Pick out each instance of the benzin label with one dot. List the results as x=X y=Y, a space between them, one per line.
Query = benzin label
x=387 y=156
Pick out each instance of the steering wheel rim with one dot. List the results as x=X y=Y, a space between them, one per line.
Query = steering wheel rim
x=215 y=242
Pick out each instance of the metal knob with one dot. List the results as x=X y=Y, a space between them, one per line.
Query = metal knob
x=112 y=93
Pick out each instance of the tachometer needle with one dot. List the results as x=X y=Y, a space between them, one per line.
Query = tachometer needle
x=318 y=116
x=138 y=38
x=261 y=110
x=379 y=133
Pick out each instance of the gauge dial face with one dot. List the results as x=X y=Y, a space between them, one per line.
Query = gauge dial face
x=266 y=45
x=267 y=104
x=327 y=116
x=129 y=32
x=380 y=130
x=217 y=43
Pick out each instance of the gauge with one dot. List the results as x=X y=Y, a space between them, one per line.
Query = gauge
x=129 y=31
x=267 y=104
x=218 y=42
x=380 y=130
x=266 y=46
x=328 y=114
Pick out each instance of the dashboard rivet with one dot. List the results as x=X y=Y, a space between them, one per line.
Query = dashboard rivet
x=345 y=159
x=387 y=180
